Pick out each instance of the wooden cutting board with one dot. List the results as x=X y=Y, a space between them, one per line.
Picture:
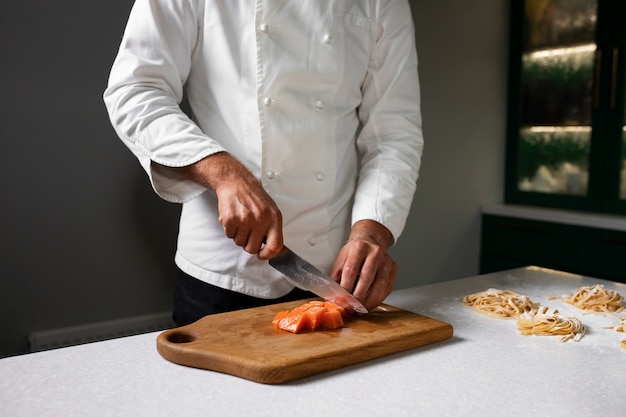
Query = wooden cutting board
x=244 y=343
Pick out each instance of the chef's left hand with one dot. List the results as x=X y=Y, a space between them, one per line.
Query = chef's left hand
x=363 y=266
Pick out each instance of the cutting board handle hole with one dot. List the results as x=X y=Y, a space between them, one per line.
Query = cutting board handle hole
x=180 y=337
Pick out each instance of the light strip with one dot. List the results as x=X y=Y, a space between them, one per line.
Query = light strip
x=554 y=129
x=548 y=53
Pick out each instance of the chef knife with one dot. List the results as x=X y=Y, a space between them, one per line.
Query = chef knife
x=307 y=277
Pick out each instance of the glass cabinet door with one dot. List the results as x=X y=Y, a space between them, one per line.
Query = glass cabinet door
x=566 y=132
x=557 y=80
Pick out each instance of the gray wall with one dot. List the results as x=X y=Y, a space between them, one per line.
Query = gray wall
x=463 y=49
x=83 y=238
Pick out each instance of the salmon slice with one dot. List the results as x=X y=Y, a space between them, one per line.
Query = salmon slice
x=310 y=316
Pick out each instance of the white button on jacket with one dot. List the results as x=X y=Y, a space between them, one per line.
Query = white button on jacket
x=296 y=90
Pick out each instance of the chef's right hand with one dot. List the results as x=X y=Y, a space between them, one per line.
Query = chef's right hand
x=249 y=215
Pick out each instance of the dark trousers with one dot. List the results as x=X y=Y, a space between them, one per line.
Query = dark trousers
x=194 y=299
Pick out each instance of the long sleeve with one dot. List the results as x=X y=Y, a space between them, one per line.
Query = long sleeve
x=146 y=86
x=391 y=141
x=300 y=92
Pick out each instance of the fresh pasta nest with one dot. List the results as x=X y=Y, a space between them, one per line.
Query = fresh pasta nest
x=545 y=322
x=502 y=304
x=596 y=298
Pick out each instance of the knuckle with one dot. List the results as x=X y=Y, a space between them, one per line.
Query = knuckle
x=378 y=251
x=251 y=249
x=350 y=269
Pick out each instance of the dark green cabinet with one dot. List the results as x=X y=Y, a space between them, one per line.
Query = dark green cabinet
x=566 y=134
x=602 y=253
x=511 y=242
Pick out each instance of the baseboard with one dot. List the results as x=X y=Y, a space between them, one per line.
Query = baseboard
x=95 y=332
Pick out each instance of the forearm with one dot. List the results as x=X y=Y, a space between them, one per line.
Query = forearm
x=248 y=214
x=216 y=170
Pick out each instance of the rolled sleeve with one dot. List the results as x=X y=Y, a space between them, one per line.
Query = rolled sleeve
x=145 y=89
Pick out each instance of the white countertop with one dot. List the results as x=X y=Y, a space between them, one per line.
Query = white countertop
x=486 y=369
x=544 y=214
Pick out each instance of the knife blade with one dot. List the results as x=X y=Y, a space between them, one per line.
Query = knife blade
x=307 y=277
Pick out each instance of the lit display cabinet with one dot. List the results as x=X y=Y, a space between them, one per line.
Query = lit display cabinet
x=566 y=137
x=565 y=186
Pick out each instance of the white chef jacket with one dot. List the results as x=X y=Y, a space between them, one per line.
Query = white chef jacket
x=318 y=98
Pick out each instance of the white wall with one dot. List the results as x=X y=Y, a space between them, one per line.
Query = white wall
x=83 y=238
x=462 y=49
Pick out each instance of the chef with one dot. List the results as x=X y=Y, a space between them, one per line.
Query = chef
x=303 y=129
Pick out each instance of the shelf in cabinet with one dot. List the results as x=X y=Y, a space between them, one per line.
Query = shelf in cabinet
x=547 y=53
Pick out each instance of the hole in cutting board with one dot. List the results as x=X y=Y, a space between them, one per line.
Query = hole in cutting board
x=180 y=337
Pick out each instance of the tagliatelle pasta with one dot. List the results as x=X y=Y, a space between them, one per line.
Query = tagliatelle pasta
x=620 y=327
x=541 y=321
x=596 y=298
x=502 y=304
x=544 y=322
